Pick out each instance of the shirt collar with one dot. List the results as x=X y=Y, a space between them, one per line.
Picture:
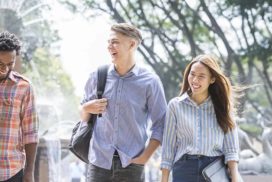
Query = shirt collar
x=186 y=99
x=12 y=77
x=183 y=97
x=135 y=70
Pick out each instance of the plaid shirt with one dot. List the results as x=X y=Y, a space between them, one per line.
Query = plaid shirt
x=18 y=123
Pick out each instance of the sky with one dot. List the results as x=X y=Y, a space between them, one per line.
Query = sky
x=83 y=45
x=83 y=48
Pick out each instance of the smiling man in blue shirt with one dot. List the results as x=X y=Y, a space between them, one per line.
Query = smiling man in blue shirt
x=118 y=150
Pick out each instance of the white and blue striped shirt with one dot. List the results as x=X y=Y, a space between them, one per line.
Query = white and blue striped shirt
x=132 y=100
x=193 y=129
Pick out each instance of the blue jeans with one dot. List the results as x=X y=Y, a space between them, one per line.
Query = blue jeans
x=132 y=173
x=189 y=168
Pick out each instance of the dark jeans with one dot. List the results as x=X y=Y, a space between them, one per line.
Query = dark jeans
x=189 y=168
x=16 y=178
x=132 y=173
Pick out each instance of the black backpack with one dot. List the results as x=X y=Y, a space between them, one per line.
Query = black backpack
x=80 y=140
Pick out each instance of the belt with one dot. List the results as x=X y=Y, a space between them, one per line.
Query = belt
x=198 y=156
x=115 y=154
x=192 y=157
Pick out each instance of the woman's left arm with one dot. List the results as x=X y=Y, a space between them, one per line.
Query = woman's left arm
x=231 y=152
x=233 y=169
x=231 y=146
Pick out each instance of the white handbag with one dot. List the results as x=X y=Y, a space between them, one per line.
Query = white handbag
x=216 y=171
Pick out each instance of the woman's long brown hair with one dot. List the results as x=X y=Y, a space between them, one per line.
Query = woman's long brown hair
x=220 y=91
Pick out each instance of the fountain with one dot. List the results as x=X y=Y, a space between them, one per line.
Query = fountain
x=53 y=156
x=47 y=167
x=254 y=165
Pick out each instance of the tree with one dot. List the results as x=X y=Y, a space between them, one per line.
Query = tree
x=174 y=31
x=26 y=19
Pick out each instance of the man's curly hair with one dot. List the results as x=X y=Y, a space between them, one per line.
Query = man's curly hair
x=9 y=42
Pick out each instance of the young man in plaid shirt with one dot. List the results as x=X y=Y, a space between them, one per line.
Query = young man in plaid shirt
x=18 y=120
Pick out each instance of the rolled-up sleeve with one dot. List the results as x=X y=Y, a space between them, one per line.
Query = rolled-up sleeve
x=157 y=109
x=169 y=139
x=29 y=118
x=231 y=145
x=90 y=88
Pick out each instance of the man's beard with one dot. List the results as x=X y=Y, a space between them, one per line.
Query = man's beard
x=6 y=76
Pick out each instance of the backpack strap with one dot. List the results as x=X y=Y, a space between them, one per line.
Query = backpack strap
x=101 y=81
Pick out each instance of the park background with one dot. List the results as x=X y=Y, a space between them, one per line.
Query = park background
x=64 y=40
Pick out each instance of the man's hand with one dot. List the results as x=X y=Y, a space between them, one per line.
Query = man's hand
x=96 y=106
x=28 y=176
x=142 y=159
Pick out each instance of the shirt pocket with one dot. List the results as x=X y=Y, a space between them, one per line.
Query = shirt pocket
x=11 y=106
x=215 y=137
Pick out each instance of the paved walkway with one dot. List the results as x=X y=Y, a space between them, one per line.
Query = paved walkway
x=258 y=178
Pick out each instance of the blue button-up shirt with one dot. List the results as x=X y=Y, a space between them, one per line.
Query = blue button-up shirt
x=132 y=100
x=193 y=129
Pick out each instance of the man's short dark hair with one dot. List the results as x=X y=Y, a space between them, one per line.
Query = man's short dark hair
x=9 y=42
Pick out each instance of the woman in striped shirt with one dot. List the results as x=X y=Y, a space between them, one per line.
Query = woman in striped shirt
x=199 y=126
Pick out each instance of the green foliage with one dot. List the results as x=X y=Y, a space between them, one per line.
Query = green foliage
x=51 y=82
x=252 y=129
x=10 y=21
x=238 y=31
x=248 y=4
x=39 y=64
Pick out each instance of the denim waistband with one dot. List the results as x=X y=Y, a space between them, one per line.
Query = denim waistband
x=199 y=157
